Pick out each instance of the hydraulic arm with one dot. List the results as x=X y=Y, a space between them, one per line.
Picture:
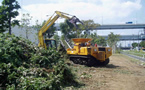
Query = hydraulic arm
x=46 y=42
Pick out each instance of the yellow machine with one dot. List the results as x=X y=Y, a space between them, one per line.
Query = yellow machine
x=46 y=43
x=84 y=53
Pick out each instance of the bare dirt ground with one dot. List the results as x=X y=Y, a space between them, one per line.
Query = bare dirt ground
x=122 y=73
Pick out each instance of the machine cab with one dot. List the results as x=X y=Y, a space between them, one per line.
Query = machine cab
x=50 y=43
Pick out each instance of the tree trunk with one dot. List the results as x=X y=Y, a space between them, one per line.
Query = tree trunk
x=113 y=49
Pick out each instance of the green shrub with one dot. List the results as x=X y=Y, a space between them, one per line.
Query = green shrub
x=24 y=66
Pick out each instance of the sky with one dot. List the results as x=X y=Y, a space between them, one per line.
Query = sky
x=101 y=11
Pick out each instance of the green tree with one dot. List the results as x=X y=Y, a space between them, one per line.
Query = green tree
x=94 y=37
x=142 y=44
x=9 y=9
x=134 y=44
x=37 y=27
x=68 y=30
x=88 y=25
x=112 y=41
x=101 y=41
x=3 y=18
x=50 y=32
x=25 y=23
x=56 y=37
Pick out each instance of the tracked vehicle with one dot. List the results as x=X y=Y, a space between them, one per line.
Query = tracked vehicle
x=86 y=54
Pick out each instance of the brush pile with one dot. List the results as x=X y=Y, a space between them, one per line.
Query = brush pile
x=24 y=66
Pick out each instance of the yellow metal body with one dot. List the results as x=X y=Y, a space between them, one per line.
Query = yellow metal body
x=83 y=47
x=48 y=24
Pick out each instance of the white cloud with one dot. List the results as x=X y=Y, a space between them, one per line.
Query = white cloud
x=73 y=1
x=109 y=10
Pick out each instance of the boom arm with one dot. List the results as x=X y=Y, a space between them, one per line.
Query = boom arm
x=50 y=22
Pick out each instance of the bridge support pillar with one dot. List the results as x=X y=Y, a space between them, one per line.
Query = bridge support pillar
x=144 y=34
x=144 y=30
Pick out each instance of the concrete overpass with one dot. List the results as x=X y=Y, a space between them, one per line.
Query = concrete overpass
x=114 y=26
x=124 y=26
x=121 y=26
x=129 y=37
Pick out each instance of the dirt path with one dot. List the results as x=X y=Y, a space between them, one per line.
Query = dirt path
x=122 y=73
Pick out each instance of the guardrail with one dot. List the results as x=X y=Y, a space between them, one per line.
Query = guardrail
x=135 y=55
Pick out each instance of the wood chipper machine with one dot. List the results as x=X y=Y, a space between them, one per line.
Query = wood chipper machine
x=86 y=54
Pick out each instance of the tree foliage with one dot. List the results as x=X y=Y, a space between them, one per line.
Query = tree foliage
x=134 y=45
x=99 y=40
x=142 y=44
x=25 y=23
x=68 y=30
x=37 y=26
x=57 y=38
x=71 y=32
x=9 y=11
x=50 y=32
x=112 y=41
x=88 y=25
x=94 y=38
x=3 y=18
